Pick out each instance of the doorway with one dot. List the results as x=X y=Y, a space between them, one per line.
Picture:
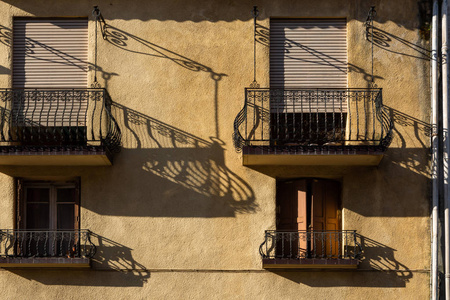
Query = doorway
x=308 y=218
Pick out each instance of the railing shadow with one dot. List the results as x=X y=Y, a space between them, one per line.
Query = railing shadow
x=411 y=158
x=114 y=261
x=379 y=268
x=377 y=256
x=115 y=256
x=193 y=164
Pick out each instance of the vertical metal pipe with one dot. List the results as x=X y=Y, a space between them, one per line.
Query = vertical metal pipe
x=445 y=127
x=434 y=152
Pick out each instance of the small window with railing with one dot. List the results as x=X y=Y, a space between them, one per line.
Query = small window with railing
x=47 y=226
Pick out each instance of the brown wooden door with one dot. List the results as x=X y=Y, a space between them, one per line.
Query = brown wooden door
x=325 y=217
x=311 y=208
x=292 y=218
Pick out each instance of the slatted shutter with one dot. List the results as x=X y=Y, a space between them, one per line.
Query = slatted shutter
x=50 y=53
x=308 y=54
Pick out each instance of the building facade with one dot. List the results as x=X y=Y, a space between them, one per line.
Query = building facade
x=208 y=149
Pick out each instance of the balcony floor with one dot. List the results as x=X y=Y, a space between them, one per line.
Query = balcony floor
x=310 y=263
x=363 y=155
x=55 y=156
x=44 y=262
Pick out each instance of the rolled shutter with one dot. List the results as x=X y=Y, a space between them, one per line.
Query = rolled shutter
x=50 y=53
x=309 y=55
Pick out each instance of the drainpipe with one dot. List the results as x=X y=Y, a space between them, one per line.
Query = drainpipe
x=434 y=152
x=445 y=129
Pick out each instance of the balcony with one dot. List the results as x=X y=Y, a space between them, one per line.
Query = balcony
x=24 y=248
x=310 y=249
x=57 y=127
x=312 y=127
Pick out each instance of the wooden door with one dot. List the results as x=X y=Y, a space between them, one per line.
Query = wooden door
x=308 y=221
x=325 y=217
x=292 y=218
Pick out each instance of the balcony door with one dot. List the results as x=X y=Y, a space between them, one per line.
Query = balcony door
x=48 y=215
x=49 y=63
x=308 y=78
x=311 y=209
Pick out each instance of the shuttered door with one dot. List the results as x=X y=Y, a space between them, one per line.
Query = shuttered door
x=310 y=206
x=308 y=54
x=50 y=53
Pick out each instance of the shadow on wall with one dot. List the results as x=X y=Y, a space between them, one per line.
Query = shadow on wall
x=211 y=11
x=187 y=175
x=113 y=260
x=112 y=255
x=414 y=159
x=169 y=173
x=377 y=256
x=379 y=268
x=373 y=191
x=397 y=45
x=134 y=44
x=5 y=39
x=195 y=164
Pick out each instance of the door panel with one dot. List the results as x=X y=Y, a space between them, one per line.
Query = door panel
x=286 y=206
x=325 y=198
x=302 y=216
x=286 y=219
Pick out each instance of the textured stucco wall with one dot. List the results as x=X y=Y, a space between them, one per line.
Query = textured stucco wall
x=178 y=198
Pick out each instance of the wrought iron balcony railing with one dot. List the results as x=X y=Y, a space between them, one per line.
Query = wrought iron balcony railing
x=342 y=244
x=67 y=118
x=39 y=243
x=312 y=117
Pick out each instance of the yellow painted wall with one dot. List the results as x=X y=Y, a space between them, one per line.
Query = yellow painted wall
x=178 y=203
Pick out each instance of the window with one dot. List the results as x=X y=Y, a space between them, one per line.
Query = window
x=308 y=76
x=48 y=218
x=48 y=205
x=310 y=207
